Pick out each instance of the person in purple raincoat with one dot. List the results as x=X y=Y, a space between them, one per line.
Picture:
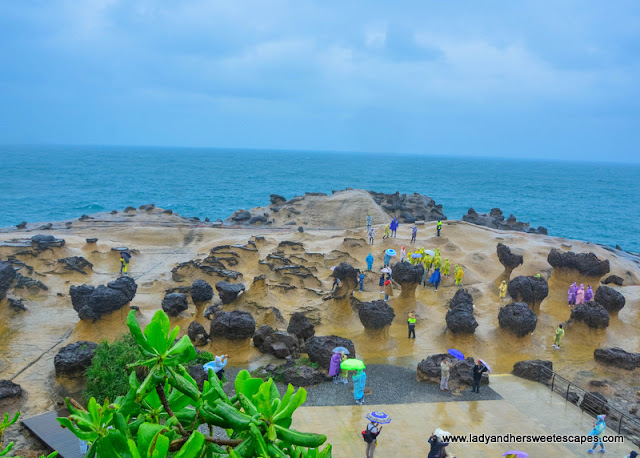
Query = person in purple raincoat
x=334 y=367
x=394 y=226
x=572 y=294
x=580 y=295
x=588 y=294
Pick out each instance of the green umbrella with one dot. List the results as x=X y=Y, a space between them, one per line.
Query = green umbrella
x=351 y=364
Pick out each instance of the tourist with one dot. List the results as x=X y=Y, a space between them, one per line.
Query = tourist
x=427 y=260
x=559 y=336
x=580 y=295
x=217 y=365
x=334 y=367
x=371 y=234
x=361 y=280
x=386 y=259
x=435 y=278
x=381 y=283
x=597 y=432
x=459 y=276
x=456 y=268
x=437 y=447
x=394 y=226
x=411 y=323
x=438 y=227
x=403 y=254
x=414 y=233
x=388 y=288
x=370 y=435
x=478 y=369
x=125 y=258
x=633 y=454
x=502 y=290
x=369 y=260
x=359 y=381
x=425 y=275
x=387 y=232
x=437 y=262
x=344 y=374
x=336 y=283
x=446 y=268
x=588 y=294
x=573 y=289
x=445 y=366
x=369 y=221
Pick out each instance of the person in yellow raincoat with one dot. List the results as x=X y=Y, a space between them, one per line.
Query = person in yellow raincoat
x=427 y=262
x=437 y=262
x=502 y=290
x=387 y=232
x=456 y=268
x=446 y=268
x=459 y=276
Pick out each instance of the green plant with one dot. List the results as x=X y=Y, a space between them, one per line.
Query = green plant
x=159 y=416
x=4 y=425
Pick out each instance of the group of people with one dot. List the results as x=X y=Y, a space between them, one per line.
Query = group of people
x=391 y=229
x=341 y=376
x=578 y=295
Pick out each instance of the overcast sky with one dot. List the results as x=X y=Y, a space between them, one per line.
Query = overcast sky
x=546 y=79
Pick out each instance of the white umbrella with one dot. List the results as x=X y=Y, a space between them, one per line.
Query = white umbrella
x=430 y=252
x=485 y=364
x=386 y=270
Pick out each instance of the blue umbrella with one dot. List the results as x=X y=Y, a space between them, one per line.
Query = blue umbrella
x=456 y=353
x=391 y=252
x=340 y=349
x=416 y=255
x=379 y=417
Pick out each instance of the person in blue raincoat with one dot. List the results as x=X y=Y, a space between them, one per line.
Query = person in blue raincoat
x=435 y=278
x=387 y=259
x=369 y=261
x=359 y=381
x=597 y=433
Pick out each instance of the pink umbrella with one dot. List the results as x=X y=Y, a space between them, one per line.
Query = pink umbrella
x=484 y=363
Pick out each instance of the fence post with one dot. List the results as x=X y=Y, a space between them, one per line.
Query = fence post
x=567 y=395
x=620 y=424
x=553 y=379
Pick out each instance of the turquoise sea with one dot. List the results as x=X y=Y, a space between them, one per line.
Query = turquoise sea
x=598 y=202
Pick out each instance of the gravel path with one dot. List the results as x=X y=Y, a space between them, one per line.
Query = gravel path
x=389 y=385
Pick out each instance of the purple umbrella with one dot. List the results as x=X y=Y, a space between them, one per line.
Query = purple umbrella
x=516 y=454
x=456 y=354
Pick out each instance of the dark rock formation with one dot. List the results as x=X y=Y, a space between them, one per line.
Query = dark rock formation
x=91 y=240
x=303 y=376
x=300 y=326
x=595 y=403
x=408 y=277
x=74 y=359
x=409 y=208
x=228 y=291
x=509 y=260
x=261 y=334
x=320 y=348
x=22 y=225
x=147 y=207
x=234 y=325
x=7 y=275
x=9 y=390
x=210 y=311
x=197 y=333
x=201 y=292
x=23 y=282
x=531 y=290
x=495 y=220
x=592 y=313
x=617 y=357
x=76 y=263
x=348 y=280
x=279 y=344
x=17 y=305
x=241 y=216
x=613 y=279
x=174 y=303
x=460 y=373
x=130 y=209
x=612 y=300
x=275 y=199
x=530 y=369
x=44 y=242
x=196 y=371
x=376 y=314
x=586 y=264
x=460 y=319
x=517 y=318
x=91 y=303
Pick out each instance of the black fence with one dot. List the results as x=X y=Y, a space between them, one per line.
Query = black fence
x=591 y=402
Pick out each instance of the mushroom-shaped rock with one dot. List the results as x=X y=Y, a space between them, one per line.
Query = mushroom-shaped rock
x=197 y=333
x=348 y=280
x=303 y=376
x=300 y=326
x=201 y=292
x=376 y=314
x=460 y=317
x=276 y=199
x=612 y=300
x=408 y=277
x=9 y=390
x=234 y=325
x=174 y=303
x=320 y=348
x=281 y=345
x=91 y=303
x=261 y=334
x=531 y=290
x=76 y=263
x=460 y=372
x=586 y=264
x=592 y=313
x=617 y=357
x=530 y=369
x=517 y=318
x=228 y=291
x=44 y=242
x=74 y=359
x=613 y=279
x=7 y=275
x=509 y=260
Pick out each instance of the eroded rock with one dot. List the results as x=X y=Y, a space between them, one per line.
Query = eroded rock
x=201 y=292
x=234 y=325
x=174 y=303
x=45 y=242
x=348 y=277
x=9 y=390
x=300 y=326
x=517 y=318
x=408 y=277
x=613 y=279
x=459 y=318
x=229 y=291
x=460 y=372
x=508 y=259
x=7 y=276
x=617 y=357
x=531 y=290
x=376 y=314
x=76 y=264
x=198 y=334
x=612 y=300
x=593 y=314
x=91 y=302
x=320 y=348
x=74 y=359
x=586 y=264
x=530 y=369
x=303 y=376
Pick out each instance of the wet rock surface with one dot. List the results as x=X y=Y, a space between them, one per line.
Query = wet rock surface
x=348 y=277
x=300 y=326
x=530 y=369
x=613 y=280
x=24 y=282
x=174 y=303
x=93 y=302
x=198 y=334
x=517 y=318
x=76 y=264
x=532 y=290
x=9 y=390
x=612 y=300
x=495 y=219
x=409 y=208
x=617 y=357
x=459 y=318
x=376 y=314
x=587 y=264
x=74 y=359
x=461 y=372
x=234 y=325
x=229 y=291
x=593 y=314
x=508 y=259
x=7 y=276
x=320 y=348
x=201 y=292
x=279 y=344
x=304 y=376
x=45 y=242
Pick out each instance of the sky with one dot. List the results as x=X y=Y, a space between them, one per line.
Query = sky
x=522 y=79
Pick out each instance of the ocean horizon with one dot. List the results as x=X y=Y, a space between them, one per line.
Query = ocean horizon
x=593 y=201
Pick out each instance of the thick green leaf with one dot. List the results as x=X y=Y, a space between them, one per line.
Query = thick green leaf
x=157 y=332
x=193 y=447
x=240 y=380
x=134 y=328
x=161 y=449
x=146 y=433
x=183 y=350
x=84 y=435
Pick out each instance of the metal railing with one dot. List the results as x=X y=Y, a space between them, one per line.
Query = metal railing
x=593 y=404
